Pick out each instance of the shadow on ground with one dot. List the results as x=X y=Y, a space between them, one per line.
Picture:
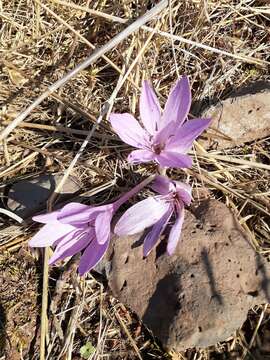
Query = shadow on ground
x=198 y=107
x=2 y=330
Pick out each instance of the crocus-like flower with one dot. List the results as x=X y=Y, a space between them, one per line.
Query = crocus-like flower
x=156 y=212
x=78 y=227
x=166 y=137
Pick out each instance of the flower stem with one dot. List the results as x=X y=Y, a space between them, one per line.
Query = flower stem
x=133 y=191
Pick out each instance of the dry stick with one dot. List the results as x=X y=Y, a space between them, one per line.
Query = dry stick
x=171 y=32
x=230 y=159
x=90 y=60
x=124 y=327
x=23 y=161
x=44 y=304
x=209 y=48
x=99 y=52
x=11 y=215
x=165 y=34
x=58 y=128
x=255 y=332
x=90 y=11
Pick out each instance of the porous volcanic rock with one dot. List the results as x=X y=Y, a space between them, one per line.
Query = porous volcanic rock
x=201 y=294
x=241 y=119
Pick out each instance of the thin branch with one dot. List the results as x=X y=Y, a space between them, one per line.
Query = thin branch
x=250 y=164
x=11 y=215
x=44 y=304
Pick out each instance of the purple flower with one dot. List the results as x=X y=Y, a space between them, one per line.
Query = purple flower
x=74 y=228
x=166 y=137
x=78 y=227
x=156 y=212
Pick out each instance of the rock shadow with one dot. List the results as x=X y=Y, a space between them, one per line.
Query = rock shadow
x=29 y=190
x=2 y=330
x=210 y=273
x=163 y=305
x=198 y=107
x=31 y=197
x=265 y=282
x=140 y=241
x=200 y=210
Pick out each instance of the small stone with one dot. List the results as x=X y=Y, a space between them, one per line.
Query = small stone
x=27 y=197
x=239 y=120
x=201 y=294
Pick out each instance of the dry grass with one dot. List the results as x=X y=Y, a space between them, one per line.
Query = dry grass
x=222 y=46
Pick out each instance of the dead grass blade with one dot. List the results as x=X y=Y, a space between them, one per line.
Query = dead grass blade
x=226 y=158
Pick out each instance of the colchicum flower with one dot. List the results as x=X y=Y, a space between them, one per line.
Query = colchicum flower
x=166 y=137
x=156 y=212
x=78 y=227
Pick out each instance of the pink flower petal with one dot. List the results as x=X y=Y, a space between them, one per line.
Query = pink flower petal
x=49 y=234
x=163 y=135
x=163 y=185
x=71 y=245
x=186 y=134
x=149 y=108
x=175 y=232
x=103 y=227
x=173 y=159
x=141 y=215
x=92 y=256
x=129 y=130
x=184 y=192
x=47 y=218
x=141 y=156
x=154 y=234
x=178 y=103
x=78 y=214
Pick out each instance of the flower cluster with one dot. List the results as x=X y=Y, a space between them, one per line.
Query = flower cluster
x=165 y=138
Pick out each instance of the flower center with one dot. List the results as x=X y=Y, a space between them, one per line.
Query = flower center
x=158 y=148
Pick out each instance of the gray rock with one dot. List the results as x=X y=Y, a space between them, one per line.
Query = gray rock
x=241 y=119
x=27 y=197
x=201 y=294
